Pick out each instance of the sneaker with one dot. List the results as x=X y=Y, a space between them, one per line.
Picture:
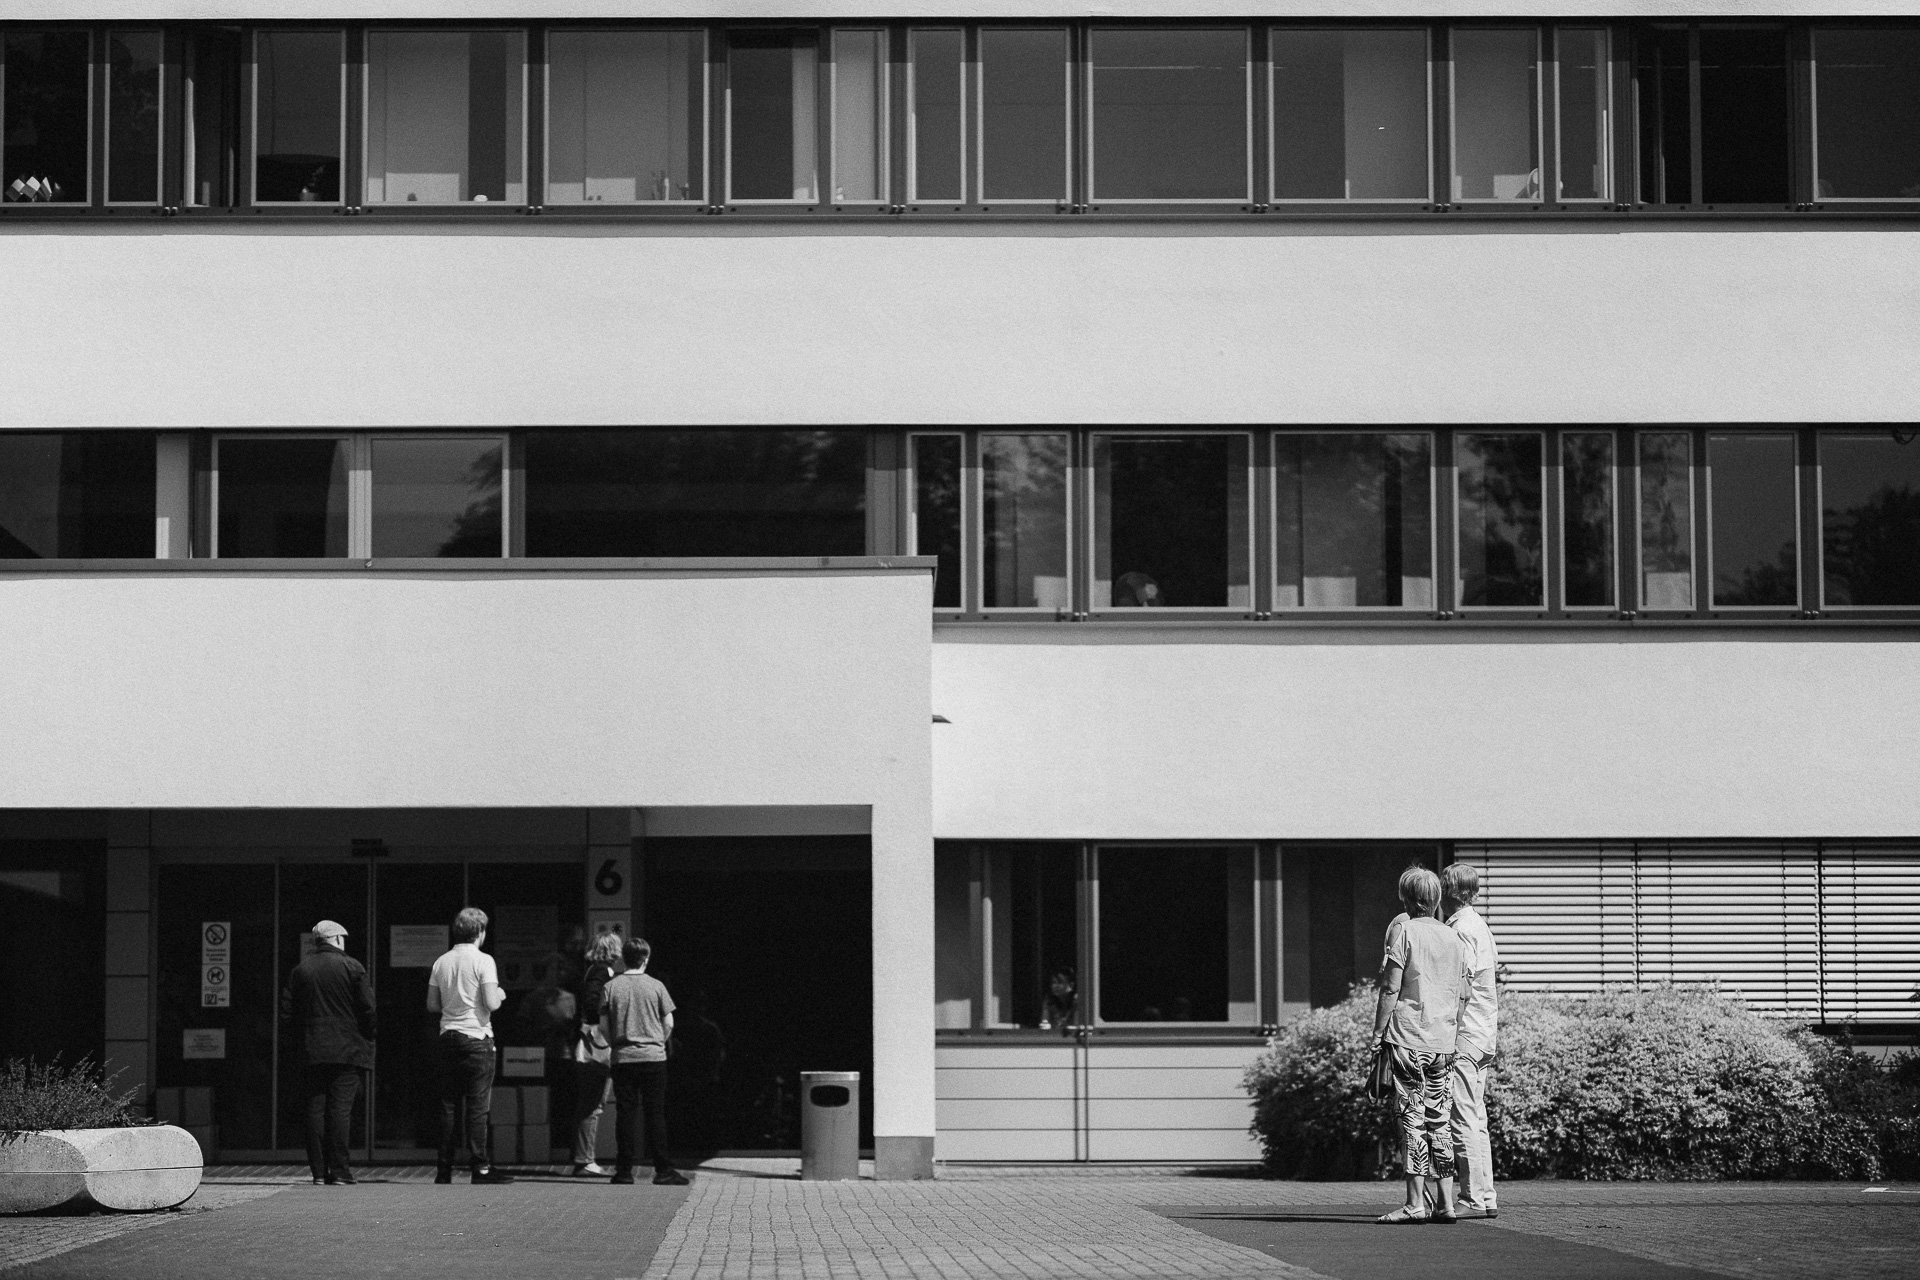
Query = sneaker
x=671 y=1178
x=1465 y=1210
x=443 y=1177
x=343 y=1179
x=623 y=1178
x=589 y=1170
x=320 y=1182
x=491 y=1178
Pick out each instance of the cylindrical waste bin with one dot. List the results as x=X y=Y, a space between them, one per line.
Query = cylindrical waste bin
x=829 y=1126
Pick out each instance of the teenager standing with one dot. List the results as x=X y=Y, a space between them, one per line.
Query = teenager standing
x=464 y=990
x=637 y=1018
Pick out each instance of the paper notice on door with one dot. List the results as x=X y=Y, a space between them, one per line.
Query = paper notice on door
x=415 y=946
x=204 y=1042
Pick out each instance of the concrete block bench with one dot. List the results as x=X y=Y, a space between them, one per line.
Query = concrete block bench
x=137 y=1169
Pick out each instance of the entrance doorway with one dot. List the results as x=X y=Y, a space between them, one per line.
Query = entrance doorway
x=766 y=946
x=397 y=907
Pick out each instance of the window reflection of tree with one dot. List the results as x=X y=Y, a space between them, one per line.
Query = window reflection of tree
x=1355 y=506
x=1024 y=492
x=1873 y=549
x=1587 y=460
x=1665 y=520
x=476 y=530
x=1500 y=520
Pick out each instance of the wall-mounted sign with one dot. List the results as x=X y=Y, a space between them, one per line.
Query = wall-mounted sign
x=415 y=946
x=216 y=966
x=525 y=944
x=203 y=1042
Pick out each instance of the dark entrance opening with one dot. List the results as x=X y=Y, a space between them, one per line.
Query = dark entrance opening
x=766 y=945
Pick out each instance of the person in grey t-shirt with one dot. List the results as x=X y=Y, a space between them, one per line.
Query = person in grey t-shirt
x=637 y=1016
x=1422 y=986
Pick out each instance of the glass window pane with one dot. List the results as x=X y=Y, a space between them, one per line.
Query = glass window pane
x=1584 y=99
x=1023 y=482
x=1169 y=119
x=937 y=136
x=133 y=116
x=45 y=117
x=954 y=981
x=1354 y=521
x=281 y=498
x=626 y=113
x=1350 y=115
x=696 y=493
x=1666 y=520
x=859 y=116
x=772 y=114
x=1176 y=935
x=445 y=117
x=76 y=495
x=1023 y=114
x=1870 y=519
x=936 y=512
x=1746 y=115
x=1170 y=522
x=1866 y=105
x=297 y=115
x=1501 y=562
x=1753 y=494
x=1496 y=114
x=212 y=96
x=1662 y=97
x=1586 y=501
x=1032 y=941
x=436 y=497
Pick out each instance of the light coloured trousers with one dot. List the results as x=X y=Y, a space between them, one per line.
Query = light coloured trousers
x=1472 y=1144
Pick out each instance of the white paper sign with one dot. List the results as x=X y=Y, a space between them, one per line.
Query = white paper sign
x=415 y=946
x=204 y=1042
x=519 y=1060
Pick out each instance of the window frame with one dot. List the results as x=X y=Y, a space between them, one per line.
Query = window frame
x=910 y=490
x=1092 y=979
x=356 y=547
x=1818 y=496
x=93 y=160
x=1071 y=70
x=620 y=208
x=1088 y=146
x=822 y=119
x=1431 y=32
x=1273 y=608
x=1619 y=477
x=1543 y=164
x=1809 y=94
x=250 y=125
x=1609 y=132
x=1547 y=440
x=164 y=141
x=969 y=103
x=1089 y=525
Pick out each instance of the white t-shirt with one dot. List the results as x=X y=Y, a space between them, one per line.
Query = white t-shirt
x=1477 y=1019
x=459 y=976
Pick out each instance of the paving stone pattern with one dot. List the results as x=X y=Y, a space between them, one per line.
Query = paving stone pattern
x=31 y=1239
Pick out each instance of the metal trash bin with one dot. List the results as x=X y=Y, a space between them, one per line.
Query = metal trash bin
x=829 y=1126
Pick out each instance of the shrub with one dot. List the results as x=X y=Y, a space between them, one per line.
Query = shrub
x=1659 y=1082
x=54 y=1096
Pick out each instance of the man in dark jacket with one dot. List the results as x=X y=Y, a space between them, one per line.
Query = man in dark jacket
x=330 y=1003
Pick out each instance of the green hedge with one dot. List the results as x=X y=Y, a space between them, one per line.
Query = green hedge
x=1661 y=1082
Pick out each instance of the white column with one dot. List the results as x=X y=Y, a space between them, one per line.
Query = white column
x=172 y=496
x=903 y=1009
x=612 y=893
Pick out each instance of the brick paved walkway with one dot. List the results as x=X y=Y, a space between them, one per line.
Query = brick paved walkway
x=751 y=1220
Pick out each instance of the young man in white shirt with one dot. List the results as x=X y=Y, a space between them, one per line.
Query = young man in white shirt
x=464 y=990
x=1473 y=1056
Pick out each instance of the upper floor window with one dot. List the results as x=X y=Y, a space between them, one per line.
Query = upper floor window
x=1870 y=518
x=1865 y=99
x=1351 y=111
x=1353 y=521
x=1168 y=113
x=76 y=495
x=446 y=114
x=1026 y=113
x=1171 y=521
x=299 y=116
x=626 y=116
x=1716 y=115
x=46 y=116
x=136 y=108
x=805 y=106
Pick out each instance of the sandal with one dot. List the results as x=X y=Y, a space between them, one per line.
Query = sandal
x=1403 y=1216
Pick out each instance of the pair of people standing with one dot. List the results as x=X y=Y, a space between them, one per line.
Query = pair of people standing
x=1436 y=1018
x=626 y=1021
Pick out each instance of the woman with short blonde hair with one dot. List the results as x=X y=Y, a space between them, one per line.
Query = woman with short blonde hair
x=592 y=1062
x=1422 y=986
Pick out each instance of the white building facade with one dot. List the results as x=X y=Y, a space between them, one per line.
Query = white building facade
x=990 y=537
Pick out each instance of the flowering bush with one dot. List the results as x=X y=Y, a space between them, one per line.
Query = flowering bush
x=1660 y=1082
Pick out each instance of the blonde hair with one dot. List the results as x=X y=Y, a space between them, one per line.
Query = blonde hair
x=1419 y=891
x=1463 y=882
x=604 y=949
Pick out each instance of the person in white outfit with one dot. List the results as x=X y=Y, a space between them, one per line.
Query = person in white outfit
x=1473 y=1056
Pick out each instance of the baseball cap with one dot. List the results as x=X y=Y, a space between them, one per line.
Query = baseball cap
x=329 y=929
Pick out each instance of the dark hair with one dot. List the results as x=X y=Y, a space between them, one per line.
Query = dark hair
x=469 y=924
x=636 y=952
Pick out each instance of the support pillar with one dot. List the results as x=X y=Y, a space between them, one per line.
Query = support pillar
x=129 y=954
x=903 y=1005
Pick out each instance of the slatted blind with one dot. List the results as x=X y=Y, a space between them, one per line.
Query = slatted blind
x=1822 y=933
x=1870 y=934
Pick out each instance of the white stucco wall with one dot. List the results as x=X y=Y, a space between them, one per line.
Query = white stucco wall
x=499 y=689
x=526 y=321
x=1359 y=736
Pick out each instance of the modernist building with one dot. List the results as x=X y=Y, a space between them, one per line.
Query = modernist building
x=990 y=532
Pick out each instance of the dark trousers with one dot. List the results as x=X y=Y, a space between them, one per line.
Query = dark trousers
x=466 y=1076
x=331 y=1089
x=636 y=1084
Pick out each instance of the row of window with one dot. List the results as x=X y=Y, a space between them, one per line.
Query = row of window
x=956 y=117
x=1036 y=523
x=1479 y=520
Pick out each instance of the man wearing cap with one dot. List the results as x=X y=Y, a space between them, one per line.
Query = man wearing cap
x=329 y=1002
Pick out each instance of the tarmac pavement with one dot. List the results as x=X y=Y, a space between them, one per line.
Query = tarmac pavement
x=753 y=1220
